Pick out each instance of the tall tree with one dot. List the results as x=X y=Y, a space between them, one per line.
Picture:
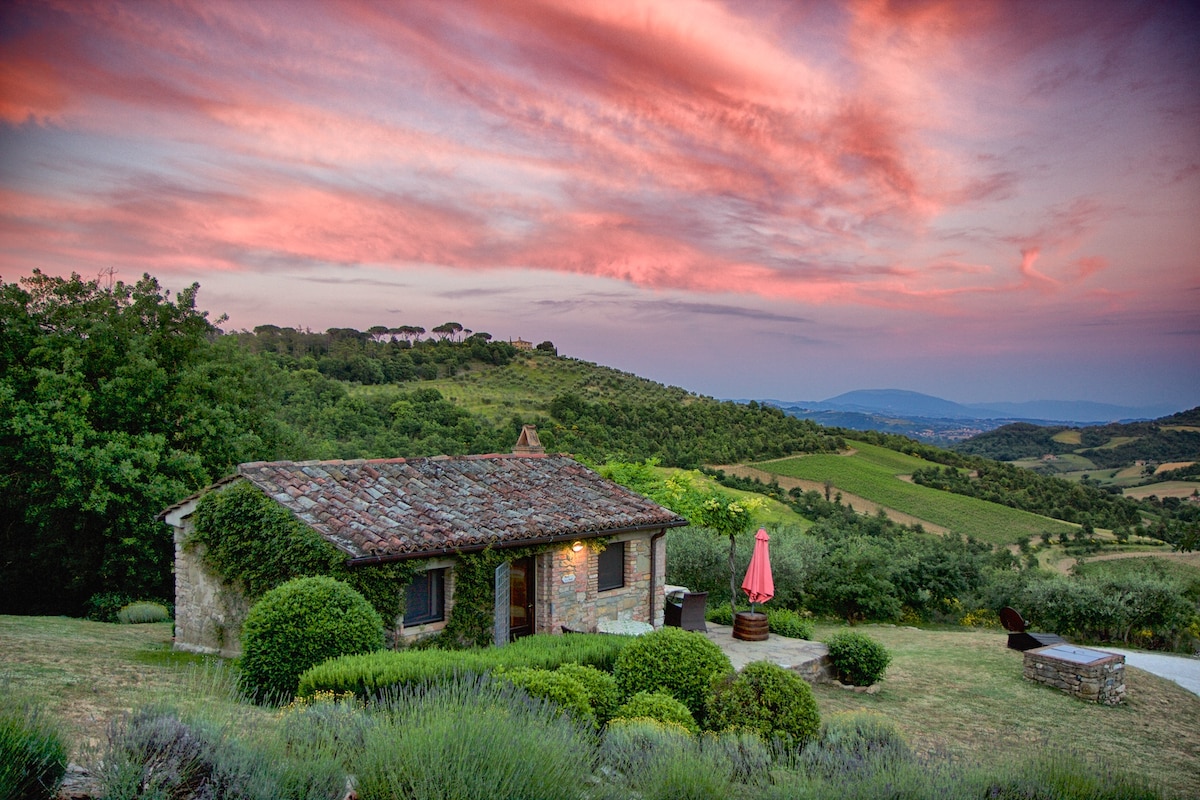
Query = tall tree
x=112 y=406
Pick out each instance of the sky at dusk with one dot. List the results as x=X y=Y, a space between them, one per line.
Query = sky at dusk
x=984 y=201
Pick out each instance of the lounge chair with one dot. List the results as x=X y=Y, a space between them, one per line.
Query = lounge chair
x=687 y=614
x=1021 y=639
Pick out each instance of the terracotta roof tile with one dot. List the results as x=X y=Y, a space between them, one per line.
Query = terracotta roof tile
x=406 y=507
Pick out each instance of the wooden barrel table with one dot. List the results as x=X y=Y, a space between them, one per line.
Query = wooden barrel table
x=750 y=626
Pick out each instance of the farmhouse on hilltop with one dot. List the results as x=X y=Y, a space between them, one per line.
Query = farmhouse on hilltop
x=432 y=510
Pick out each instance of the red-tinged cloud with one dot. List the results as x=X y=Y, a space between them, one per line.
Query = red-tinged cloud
x=817 y=154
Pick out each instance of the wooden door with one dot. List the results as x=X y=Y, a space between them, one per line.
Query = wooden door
x=521 y=604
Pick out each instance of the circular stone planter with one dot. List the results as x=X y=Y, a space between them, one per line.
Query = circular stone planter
x=750 y=626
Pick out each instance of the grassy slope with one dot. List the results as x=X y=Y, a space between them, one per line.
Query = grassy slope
x=86 y=673
x=956 y=692
x=526 y=386
x=872 y=473
x=962 y=692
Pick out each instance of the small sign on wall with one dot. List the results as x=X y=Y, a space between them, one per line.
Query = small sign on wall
x=568 y=578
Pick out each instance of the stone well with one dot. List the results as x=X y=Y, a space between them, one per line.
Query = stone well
x=1092 y=675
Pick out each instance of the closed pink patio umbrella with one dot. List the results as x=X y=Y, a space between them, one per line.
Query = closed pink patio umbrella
x=759 y=584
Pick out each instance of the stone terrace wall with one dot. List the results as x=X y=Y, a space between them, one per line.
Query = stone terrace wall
x=1100 y=681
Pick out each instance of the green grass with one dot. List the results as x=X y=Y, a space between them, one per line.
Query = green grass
x=872 y=473
x=85 y=673
x=961 y=692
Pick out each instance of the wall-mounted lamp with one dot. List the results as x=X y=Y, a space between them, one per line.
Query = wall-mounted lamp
x=577 y=546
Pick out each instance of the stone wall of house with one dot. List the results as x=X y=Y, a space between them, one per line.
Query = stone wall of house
x=568 y=593
x=1100 y=681
x=208 y=613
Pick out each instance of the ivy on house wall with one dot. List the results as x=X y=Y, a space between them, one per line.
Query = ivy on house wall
x=472 y=617
x=252 y=541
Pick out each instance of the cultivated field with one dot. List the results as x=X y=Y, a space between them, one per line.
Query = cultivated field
x=1165 y=489
x=874 y=473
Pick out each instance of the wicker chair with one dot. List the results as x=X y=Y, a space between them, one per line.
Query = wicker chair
x=688 y=614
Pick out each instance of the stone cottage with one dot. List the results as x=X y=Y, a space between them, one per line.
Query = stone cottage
x=432 y=510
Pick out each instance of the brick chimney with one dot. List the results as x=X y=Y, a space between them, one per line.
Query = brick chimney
x=528 y=443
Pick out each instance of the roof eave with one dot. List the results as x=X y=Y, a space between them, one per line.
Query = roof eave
x=385 y=558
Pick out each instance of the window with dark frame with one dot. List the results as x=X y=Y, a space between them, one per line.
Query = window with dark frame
x=610 y=567
x=425 y=598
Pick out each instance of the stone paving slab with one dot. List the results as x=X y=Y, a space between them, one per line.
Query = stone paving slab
x=808 y=659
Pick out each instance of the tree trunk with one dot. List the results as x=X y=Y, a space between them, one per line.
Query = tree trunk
x=732 y=576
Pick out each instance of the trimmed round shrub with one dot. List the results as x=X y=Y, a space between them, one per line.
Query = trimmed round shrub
x=678 y=662
x=786 y=622
x=33 y=758
x=601 y=689
x=300 y=624
x=562 y=689
x=143 y=612
x=658 y=706
x=767 y=699
x=857 y=658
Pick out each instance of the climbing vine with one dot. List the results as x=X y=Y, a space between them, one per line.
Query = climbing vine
x=473 y=615
x=253 y=541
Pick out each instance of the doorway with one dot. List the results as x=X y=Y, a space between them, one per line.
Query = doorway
x=521 y=606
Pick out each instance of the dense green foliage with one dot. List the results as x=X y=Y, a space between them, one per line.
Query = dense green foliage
x=658 y=706
x=33 y=756
x=767 y=699
x=857 y=658
x=1025 y=489
x=560 y=688
x=257 y=544
x=300 y=624
x=788 y=623
x=1137 y=608
x=600 y=686
x=114 y=403
x=1172 y=438
x=673 y=660
x=366 y=675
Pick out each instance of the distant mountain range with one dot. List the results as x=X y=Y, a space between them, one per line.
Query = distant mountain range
x=935 y=419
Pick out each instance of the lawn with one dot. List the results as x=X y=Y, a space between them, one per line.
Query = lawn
x=85 y=673
x=961 y=692
x=872 y=472
x=953 y=693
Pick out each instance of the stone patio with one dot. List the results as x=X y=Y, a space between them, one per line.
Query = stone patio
x=810 y=660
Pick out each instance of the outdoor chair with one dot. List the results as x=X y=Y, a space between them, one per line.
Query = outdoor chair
x=687 y=614
x=1021 y=639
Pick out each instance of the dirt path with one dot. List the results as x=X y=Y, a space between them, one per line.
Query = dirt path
x=1064 y=565
x=861 y=504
